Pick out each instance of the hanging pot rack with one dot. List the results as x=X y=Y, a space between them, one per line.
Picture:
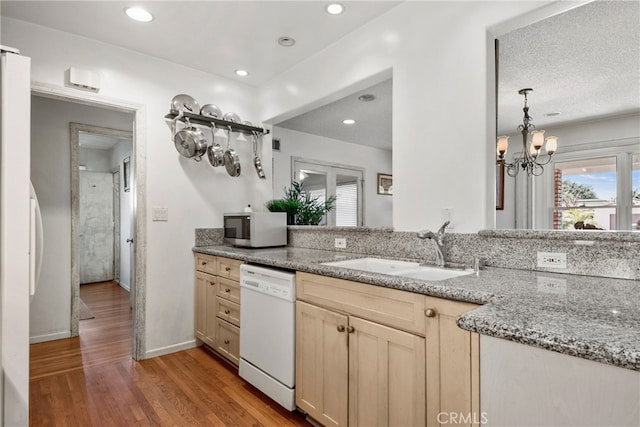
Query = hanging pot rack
x=218 y=123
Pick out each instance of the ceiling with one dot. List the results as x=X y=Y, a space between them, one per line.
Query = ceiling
x=373 y=118
x=217 y=37
x=584 y=63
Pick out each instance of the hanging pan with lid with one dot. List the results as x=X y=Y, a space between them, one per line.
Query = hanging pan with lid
x=231 y=159
x=215 y=152
x=190 y=142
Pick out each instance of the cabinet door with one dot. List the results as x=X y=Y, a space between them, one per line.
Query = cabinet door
x=322 y=364
x=200 y=318
x=452 y=362
x=386 y=376
x=210 y=330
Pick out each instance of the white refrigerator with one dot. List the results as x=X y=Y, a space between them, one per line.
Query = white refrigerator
x=16 y=268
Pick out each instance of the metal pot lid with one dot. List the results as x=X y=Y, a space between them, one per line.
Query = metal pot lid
x=211 y=110
x=185 y=143
x=231 y=117
x=183 y=103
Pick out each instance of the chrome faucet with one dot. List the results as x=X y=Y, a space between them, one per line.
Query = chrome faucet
x=438 y=238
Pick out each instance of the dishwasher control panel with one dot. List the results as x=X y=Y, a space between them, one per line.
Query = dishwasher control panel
x=277 y=283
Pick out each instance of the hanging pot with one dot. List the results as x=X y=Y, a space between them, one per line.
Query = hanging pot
x=247 y=132
x=256 y=160
x=190 y=142
x=231 y=117
x=182 y=103
x=231 y=159
x=215 y=152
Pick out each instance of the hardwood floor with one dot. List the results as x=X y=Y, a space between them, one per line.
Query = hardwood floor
x=91 y=380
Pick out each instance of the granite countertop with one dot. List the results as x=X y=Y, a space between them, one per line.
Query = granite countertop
x=589 y=317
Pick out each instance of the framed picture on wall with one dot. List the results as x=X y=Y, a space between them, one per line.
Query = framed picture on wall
x=385 y=184
x=126 y=168
x=500 y=185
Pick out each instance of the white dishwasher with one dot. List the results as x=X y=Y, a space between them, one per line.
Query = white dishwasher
x=267 y=334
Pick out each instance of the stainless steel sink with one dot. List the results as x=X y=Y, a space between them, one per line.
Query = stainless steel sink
x=411 y=270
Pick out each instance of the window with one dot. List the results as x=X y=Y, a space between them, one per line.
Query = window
x=595 y=188
x=323 y=180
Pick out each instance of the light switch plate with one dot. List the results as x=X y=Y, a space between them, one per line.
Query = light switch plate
x=160 y=214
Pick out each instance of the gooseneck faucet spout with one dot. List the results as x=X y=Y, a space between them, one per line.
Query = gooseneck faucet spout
x=438 y=238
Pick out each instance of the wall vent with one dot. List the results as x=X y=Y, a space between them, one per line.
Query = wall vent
x=275 y=144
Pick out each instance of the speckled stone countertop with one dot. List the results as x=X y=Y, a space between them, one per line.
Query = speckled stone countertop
x=589 y=317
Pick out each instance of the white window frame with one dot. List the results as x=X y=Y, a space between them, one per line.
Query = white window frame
x=622 y=149
x=332 y=170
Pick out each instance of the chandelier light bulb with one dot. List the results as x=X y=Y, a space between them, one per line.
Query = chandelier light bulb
x=503 y=145
x=552 y=144
x=537 y=139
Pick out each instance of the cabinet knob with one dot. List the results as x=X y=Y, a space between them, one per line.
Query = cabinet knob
x=204 y=263
x=340 y=328
x=430 y=312
x=351 y=329
x=226 y=341
x=227 y=290
x=226 y=312
x=227 y=269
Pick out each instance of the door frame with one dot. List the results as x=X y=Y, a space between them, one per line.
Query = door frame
x=74 y=141
x=46 y=90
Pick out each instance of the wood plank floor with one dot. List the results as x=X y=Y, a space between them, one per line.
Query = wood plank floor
x=91 y=380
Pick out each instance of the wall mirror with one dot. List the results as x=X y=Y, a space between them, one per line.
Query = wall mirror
x=584 y=68
x=338 y=147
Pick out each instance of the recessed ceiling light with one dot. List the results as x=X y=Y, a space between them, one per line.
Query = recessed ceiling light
x=335 y=8
x=348 y=121
x=242 y=73
x=367 y=97
x=286 y=41
x=557 y=113
x=138 y=14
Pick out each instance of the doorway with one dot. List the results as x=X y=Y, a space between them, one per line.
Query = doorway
x=134 y=114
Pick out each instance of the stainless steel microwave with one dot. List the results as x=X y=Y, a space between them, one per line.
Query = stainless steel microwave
x=255 y=229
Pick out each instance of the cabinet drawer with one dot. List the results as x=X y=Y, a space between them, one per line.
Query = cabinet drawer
x=227 y=310
x=228 y=340
x=229 y=290
x=391 y=307
x=229 y=268
x=206 y=263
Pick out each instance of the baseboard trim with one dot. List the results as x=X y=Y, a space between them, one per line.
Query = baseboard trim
x=124 y=286
x=49 y=337
x=170 y=349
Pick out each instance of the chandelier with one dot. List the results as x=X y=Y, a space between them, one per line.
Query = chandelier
x=532 y=159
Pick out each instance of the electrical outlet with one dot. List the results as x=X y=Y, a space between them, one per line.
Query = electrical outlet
x=340 y=243
x=552 y=260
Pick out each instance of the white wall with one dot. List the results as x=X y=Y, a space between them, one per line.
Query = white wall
x=443 y=116
x=118 y=153
x=50 y=174
x=195 y=194
x=95 y=160
x=606 y=131
x=377 y=209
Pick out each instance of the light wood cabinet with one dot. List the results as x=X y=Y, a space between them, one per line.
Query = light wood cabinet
x=452 y=363
x=217 y=304
x=355 y=371
x=322 y=364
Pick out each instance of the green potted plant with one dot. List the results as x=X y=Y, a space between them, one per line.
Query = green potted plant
x=300 y=206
